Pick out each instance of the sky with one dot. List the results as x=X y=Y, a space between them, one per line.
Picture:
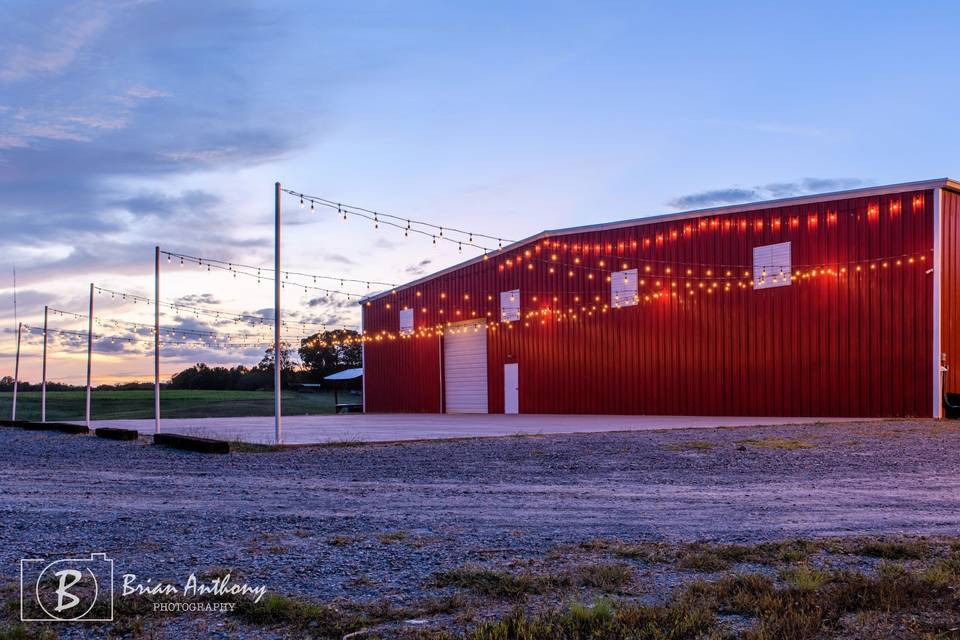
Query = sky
x=129 y=124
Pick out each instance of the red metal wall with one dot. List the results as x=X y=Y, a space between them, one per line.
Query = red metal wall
x=950 y=286
x=855 y=344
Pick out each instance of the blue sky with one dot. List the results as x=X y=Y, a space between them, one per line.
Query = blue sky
x=129 y=123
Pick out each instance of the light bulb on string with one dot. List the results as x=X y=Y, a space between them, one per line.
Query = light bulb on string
x=301 y=202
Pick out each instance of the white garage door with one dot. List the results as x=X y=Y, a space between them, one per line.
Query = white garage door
x=465 y=367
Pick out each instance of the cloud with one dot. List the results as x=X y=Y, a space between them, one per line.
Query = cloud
x=735 y=195
x=57 y=45
x=781 y=128
x=142 y=92
x=198 y=299
x=338 y=258
x=419 y=268
x=113 y=139
x=129 y=107
x=154 y=202
x=97 y=122
x=331 y=302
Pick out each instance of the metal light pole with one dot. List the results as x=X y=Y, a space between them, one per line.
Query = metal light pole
x=276 y=314
x=89 y=351
x=43 y=369
x=16 y=373
x=156 y=340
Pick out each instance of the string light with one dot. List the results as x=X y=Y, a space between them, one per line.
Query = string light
x=435 y=231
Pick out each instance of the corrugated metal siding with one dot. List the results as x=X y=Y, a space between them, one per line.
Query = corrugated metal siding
x=402 y=376
x=950 y=283
x=857 y=345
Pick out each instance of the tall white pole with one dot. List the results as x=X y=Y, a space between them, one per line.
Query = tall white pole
x=16 y=373
x=43 y=369
x=156 y=340
x=89 y=351
x=276 y=314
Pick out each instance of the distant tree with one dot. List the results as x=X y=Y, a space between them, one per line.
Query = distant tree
x=201 y=376
x=287 y=369
x=324 y=352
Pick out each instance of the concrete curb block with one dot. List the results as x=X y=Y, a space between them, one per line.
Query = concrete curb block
x=111 y=433
x=191 y=443
x=61 y=427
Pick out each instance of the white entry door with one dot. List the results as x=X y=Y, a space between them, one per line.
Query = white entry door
x=465 y=367
x=511 y=388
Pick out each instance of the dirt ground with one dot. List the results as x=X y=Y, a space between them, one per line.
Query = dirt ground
x=379 y=523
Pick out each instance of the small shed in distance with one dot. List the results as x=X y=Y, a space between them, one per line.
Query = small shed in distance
x=336 y=380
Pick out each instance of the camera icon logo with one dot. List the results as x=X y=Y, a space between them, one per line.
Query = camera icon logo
x=67 y=590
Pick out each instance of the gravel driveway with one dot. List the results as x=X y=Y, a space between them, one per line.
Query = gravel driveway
x=377 y=520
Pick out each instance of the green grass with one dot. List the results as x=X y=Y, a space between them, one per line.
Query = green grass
x=693 y=445
x=787 y=444
x=499 y=584
x=118 y=405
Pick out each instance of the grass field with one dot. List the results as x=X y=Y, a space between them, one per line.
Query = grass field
x=181 y=403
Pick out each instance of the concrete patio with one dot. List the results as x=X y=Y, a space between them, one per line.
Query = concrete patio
x=301 y=430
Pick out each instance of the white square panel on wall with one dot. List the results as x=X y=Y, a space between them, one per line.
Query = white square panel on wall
x=771 y=266
x=406 y=321
x=623 y=288
x=510 y=305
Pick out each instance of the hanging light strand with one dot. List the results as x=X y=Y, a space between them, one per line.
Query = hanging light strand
x=230 y=266
x=405 y=224
x=257 y=272
x=202 y=311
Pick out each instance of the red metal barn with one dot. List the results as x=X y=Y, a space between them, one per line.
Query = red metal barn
x=839 y=304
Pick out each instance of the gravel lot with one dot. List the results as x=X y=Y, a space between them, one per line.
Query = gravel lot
x=376 y=521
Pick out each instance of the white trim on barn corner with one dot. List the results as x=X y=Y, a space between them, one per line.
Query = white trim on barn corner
x=937 y=300
x=696 y=213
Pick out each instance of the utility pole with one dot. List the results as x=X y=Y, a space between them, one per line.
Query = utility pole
x=43 y=369
x=156 y=340
x=16 y=373
x=276 y=314
x=89 y=351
